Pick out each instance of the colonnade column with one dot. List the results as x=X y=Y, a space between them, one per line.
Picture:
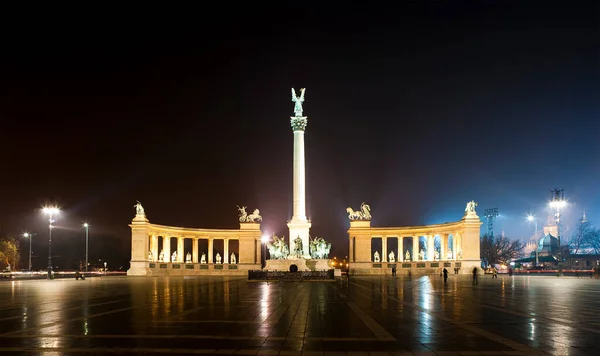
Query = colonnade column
x=430 y=247
x=443 y=244
x=154 y=246
x=384 y=249
x=167 y=248
x=180 y=252
x=210 y=250
x=258 y=250
x=194 y=250
x=351 y=250
x=415 y=254
x=400 y=257
x=226 y=250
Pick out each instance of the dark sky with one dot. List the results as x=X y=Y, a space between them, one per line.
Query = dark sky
x=415 y=108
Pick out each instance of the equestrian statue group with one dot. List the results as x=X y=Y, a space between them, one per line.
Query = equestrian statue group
x=279 y=250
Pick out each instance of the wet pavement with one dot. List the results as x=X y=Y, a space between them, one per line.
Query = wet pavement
x=363 y=316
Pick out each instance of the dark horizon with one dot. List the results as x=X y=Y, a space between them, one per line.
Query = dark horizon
x=413 y=108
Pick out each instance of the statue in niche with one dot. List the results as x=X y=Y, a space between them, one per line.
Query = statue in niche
x=436 y=255
x=150 y=257
x=407 y=256
x=298 y=100
x=298 y=249
x=218 y=258
x=376 y=256
x=278 y=249
x=449 y=254
x=203 y=258
x=174 y=256
x=392 y=257
x=233 y=260
x=470 y=207
x=139 y=209
x=188 y=258
x=421 y=255
x=363 y=214
x=161 y=256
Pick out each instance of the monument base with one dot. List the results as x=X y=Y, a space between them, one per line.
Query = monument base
x=318 y=265
x=284 y=265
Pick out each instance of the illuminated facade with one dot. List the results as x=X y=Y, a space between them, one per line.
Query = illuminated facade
x=417 y=249
x=154 y=251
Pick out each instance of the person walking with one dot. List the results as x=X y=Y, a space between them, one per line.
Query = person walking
x=445 y=271
x=475 y=281
x=494 y=273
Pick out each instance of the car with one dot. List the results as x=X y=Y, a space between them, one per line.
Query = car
x=6 y=274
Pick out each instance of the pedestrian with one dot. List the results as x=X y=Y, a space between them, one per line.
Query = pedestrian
x=475 y=281
x=494 y=273
x=445 y=271
x=393 y=271
x=510 y=272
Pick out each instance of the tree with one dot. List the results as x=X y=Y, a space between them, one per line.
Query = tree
x=585 y=238
x=499 y=249
x=9 y=252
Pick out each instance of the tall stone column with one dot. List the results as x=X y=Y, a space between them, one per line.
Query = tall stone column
x=299 y=226
x=226 y=250
x=400 y=257
x=430 y=247
x=154 y=247
x=415 y=254
x=167 y=248
x=351 y=250
x=180 y=250
x=384 y=249
x=443 y=246
x=195 y=250
x=210 y=250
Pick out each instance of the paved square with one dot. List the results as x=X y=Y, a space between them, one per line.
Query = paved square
x=362 y=316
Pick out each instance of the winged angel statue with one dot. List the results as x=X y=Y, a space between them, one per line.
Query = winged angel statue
x=298 y=100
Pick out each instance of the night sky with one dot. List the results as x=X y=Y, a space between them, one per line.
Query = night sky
x=415 y=109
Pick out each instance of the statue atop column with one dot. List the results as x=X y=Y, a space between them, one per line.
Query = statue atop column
x=470 y=209
x=245 y=218
x=363 y=214
x=139 y=209
x=298 y=100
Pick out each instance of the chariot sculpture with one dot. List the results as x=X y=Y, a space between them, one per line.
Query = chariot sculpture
x=245 y=218
x=363 y=214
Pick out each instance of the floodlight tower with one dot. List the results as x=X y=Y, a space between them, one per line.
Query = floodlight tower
x=490 y=215
x=557 y=201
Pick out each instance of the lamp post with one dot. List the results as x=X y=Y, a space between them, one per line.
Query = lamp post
x=30 y=237
x=86 y=227
x=51 y=212
x=264 y=240
x=557 y=201
x=531 y=218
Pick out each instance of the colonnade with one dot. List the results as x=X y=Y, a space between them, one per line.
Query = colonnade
x=445 y=251
x=154 y=253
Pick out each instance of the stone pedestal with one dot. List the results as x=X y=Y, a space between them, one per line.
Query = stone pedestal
x=318 y=265
x=284 y=265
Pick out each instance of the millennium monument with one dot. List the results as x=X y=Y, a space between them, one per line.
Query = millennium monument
x=424 y=249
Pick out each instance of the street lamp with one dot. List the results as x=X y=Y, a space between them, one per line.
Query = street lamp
x=531 y=218
x=264 y=240
x=86 y=227
x=51 y=212
x=30 y=237
x=557 y=201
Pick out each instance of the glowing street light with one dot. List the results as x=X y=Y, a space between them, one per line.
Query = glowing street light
x=51 y=212
x=531 y=218
x=557 y=201
x=86 y=227
x=264 y=239
x=30 y=237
